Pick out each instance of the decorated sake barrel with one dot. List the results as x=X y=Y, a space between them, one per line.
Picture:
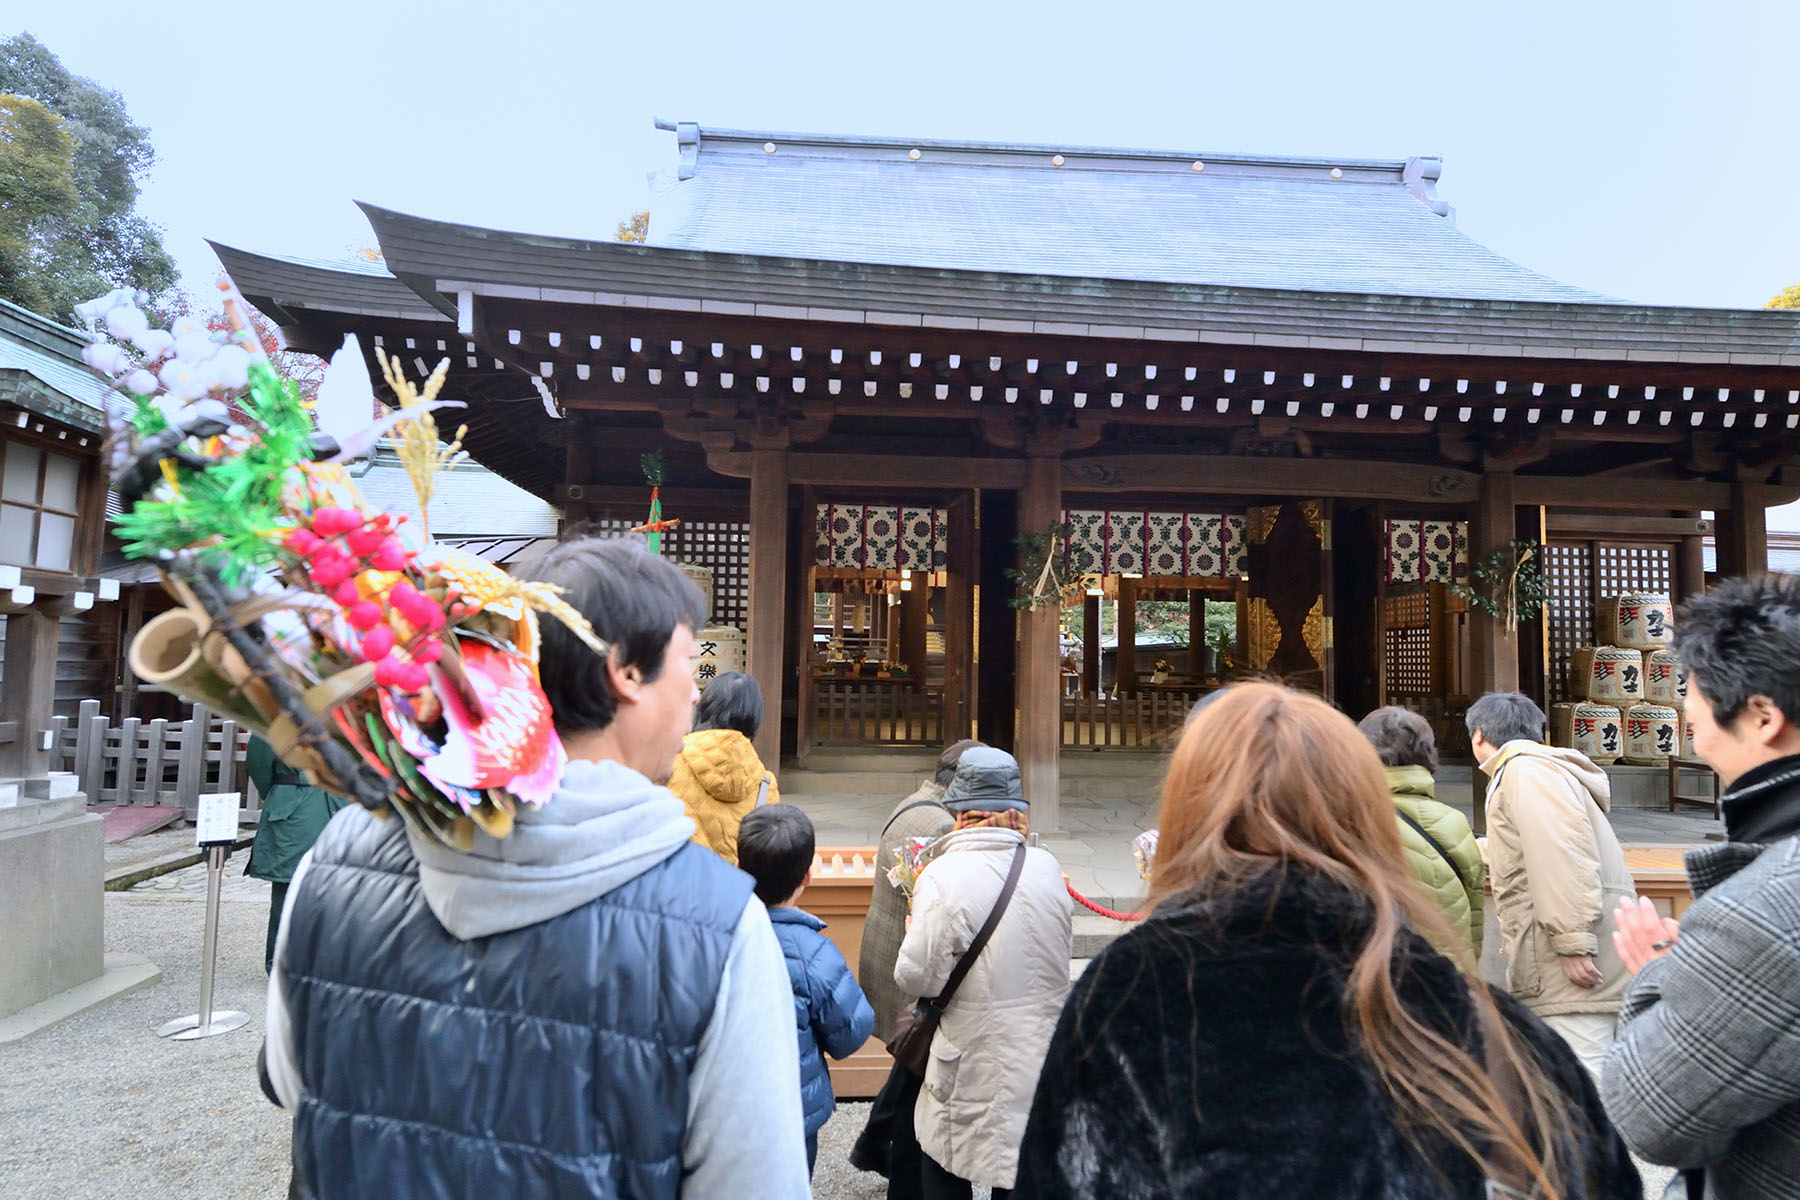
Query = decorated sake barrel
x=702 y=578
x=1638 y=621
x=1597 y=730
x=1652 y=734
x=721 y=649
x=1608 y=675
x=1562 y=720
x=1664 y=680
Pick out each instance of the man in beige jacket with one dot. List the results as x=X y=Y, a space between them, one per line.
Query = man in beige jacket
x=1557 y=873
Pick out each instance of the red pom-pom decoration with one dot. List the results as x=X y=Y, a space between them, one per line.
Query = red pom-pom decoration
x=376 y=643
x=401 y=675
x=346 y=593
x=388 y=557
x=428 y=651
x=364 y=615
x=302 y=541
x=365 y=541
x=330 y=570
x=334 y=522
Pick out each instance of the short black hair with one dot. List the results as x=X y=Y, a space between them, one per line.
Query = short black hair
x=632 y=598
x=1503 y=717
x=733 y=700
x=946 y=767
x=775 y=848
x=1742 y=639
x=1401 y=737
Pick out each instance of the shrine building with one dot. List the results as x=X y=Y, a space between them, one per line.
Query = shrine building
x=1041 y=444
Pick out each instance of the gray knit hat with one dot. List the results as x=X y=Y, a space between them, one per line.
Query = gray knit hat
x=987 y=780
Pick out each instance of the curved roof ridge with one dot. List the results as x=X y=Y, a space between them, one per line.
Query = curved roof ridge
x=791 y=139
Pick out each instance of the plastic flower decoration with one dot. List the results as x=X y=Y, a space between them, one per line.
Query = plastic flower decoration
x=389 y=669
x=1143 y=848
x=904 y=874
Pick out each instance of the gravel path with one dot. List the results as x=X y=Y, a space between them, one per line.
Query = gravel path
x=99 y=1107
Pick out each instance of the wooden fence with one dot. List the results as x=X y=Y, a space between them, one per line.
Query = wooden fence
x=1151 y=718
x=153 y=762
x=877 y=712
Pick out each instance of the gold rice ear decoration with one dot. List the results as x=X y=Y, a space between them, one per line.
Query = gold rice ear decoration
x=416 y=440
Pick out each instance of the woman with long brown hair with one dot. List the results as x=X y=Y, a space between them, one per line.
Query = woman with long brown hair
x=1280 y=1026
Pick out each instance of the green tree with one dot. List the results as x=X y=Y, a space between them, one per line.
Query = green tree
x=637 y=229
x=37 y=181
x=1787 y=299
x=99 y=241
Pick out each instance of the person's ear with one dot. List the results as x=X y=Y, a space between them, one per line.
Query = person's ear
x=1766 y=722
x=627 y=681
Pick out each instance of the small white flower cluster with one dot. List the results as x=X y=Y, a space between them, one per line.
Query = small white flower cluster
x=183 y=363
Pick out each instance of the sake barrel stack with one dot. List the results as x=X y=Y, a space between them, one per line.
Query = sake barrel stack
x=1634 y=620
x=1664 y=680
x=1597 y=730
x=1652 y=734
x=721 y=649
x=702 y=578
x=1611 y=675
x=1687 y=737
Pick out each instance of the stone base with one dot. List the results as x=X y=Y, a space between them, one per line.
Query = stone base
x=52 y=863
x=123 y=973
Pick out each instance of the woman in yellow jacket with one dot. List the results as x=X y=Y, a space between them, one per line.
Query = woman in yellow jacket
x=717 y=774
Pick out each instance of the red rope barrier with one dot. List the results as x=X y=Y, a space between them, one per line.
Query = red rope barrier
x=1105 y=912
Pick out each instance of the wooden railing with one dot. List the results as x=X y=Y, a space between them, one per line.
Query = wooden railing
x=1150 y=718
x=879 y=712
x=153 y=762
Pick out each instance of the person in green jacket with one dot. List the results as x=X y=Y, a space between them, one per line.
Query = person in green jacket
x=1439 y=844
x=293 y=814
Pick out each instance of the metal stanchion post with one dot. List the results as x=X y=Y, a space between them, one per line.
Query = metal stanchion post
x=206 y=1022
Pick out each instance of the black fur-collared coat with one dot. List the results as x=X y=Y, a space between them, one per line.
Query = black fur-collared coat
x=1205 y=1053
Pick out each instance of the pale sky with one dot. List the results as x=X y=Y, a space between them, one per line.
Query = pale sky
x=1642 y=149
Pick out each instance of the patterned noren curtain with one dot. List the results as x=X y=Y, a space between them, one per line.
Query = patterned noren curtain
x=880 y=537
x=1427 y=551
x=1118 y=542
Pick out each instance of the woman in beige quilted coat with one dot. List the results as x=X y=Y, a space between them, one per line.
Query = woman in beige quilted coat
x=985 y=1059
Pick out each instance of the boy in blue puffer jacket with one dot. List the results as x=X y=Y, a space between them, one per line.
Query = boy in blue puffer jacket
x=775 y=847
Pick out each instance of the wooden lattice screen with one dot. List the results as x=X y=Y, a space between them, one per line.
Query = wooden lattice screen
x=1406 y=638
x=1581 y=572
x=1570 y=612
x=722 y=545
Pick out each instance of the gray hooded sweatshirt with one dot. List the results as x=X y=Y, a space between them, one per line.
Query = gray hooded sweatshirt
x=606 y=825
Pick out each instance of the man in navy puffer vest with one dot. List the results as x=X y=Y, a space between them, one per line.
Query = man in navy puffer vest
x=592 y=1007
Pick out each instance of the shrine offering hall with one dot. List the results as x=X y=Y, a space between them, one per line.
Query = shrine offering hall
x=1042 y=444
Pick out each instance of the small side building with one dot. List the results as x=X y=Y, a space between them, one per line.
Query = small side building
x=53 y=491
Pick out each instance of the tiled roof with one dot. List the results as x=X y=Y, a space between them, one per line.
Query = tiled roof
x=359 y=287
x=1256 y=222
x=43 y=372
x=469 y=501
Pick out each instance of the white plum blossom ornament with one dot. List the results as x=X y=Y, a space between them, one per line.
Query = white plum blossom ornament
x=127 y=322
x=140 y=382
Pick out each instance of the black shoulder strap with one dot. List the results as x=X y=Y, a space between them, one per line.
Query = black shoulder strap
x=967 y=961
x=1430 y=841
x=904 y=809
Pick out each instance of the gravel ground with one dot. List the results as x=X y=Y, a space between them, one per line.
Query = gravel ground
x=99 y=1107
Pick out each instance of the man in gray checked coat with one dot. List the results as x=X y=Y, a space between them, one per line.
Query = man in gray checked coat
x=1705 y=1072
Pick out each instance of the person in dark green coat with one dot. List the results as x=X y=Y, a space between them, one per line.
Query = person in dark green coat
x=1440 y=847
x=293 y=814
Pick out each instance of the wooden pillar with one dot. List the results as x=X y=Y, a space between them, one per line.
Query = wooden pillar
x=959 y=616
x=997 y=631
x=768 y=592
x=1690 y=567
x=27 y=692
x=1125 y=659
x=1743 y=538
x=915 y=615
x=1495 y=651
x=1196 y=631
x=804 y=687
x=1039 y=677
x=1090 y=645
